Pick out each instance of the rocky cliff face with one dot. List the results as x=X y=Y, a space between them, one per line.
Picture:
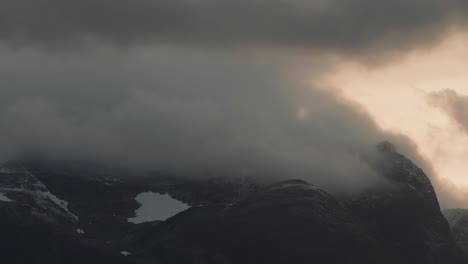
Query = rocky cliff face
x=405 y=215
x=56 y=213
x=458 y=221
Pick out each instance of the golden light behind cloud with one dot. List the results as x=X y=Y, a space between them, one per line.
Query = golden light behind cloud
x=396 y=95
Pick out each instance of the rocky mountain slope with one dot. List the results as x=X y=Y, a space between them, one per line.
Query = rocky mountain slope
x=405 y=216
x=458 y=221
x=70 y=212
x=295 y=222
x=38 y=227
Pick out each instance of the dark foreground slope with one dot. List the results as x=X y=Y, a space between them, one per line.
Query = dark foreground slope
x=290 y=222
x=294 y=222
x=231 y=221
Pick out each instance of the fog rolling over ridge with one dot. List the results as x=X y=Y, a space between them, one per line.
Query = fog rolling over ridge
x=233 y=131
x=208 y=88
x=191 y=113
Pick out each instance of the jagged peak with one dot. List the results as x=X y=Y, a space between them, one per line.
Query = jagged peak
x=398 y=168
x=386 y=147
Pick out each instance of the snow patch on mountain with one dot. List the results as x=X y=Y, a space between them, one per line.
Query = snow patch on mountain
x=17 y=179
x=61 y=203
x=155 y=206
x=3 y=198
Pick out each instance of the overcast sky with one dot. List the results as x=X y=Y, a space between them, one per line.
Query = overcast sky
x=247 y=87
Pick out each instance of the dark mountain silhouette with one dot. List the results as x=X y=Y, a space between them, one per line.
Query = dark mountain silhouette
x=68 y=212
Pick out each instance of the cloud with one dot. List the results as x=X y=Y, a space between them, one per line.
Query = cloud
x=190 y=108
x=346 y=26
x=453 y=104
x=450 y=195
x=191 y=113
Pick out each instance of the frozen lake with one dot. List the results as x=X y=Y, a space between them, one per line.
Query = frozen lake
x=156 y=206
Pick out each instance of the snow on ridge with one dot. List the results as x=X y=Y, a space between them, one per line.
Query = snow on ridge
x=61 y=203
x=125 y=253
x=3 y=198
x=43 y=194
x=155 y=206
x=31 y=185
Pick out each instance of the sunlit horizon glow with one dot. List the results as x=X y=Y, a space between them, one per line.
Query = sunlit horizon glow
x=396 y=95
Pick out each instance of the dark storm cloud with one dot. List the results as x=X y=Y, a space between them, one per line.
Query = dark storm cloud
x=196 y=111
x=340 y=25
x=196 y=114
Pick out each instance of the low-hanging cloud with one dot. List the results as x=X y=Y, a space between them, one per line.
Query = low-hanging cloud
x=196 y=114
x=348 y=26
x=213 y=111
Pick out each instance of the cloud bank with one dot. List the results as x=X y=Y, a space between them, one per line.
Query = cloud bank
x=189 y=113
x=202 y=106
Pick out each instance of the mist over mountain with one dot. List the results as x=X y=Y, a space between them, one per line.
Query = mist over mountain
x=221 y=132
x=206 y=88
x=193 y=114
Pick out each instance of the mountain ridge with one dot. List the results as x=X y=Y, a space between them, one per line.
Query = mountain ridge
x=231 y=220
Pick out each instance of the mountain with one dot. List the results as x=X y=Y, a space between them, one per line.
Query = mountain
x=458 y=221
x=38 y=227
x=406 y=215
x=296 y=222
x=72 y=212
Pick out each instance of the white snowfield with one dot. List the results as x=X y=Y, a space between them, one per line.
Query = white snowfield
x=155 y=206
x=125 y=253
